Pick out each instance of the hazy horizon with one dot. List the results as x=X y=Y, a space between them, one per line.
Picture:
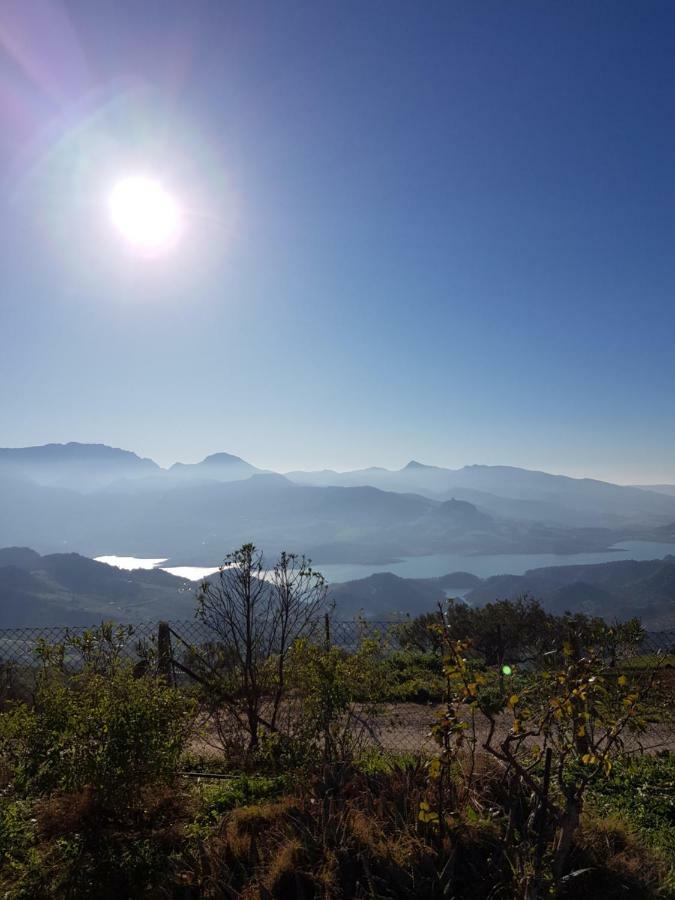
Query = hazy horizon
x=165 y=460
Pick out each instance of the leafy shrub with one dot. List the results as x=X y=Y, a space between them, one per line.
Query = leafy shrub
x=17 y=834
x=103 y=729
x=339 y=693
x=414 y=676
x=61 y=846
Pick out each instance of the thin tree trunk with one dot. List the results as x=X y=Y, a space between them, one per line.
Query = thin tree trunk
x=568 y=826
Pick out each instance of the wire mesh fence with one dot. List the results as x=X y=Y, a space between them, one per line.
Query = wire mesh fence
x=397 y=719
x=20 y=646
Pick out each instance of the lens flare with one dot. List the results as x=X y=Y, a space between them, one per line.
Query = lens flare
x=145 y=214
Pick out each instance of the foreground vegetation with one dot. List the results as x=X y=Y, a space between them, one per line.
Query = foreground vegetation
x=530 y=791
x=352 y=831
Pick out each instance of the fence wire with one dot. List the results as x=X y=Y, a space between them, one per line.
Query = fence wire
x=402 y=721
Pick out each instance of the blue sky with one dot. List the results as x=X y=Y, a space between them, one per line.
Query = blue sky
x=440 y=230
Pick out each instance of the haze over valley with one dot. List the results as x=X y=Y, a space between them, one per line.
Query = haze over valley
x=422 y=522
x=100 y=500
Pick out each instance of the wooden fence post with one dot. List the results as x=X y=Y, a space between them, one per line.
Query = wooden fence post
x=164 y=652
x=500 y=658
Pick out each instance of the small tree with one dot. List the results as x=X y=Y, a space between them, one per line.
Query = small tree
x=568 y=725
x=257 y=616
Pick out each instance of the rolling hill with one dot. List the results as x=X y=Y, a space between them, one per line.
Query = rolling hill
x=69 y=589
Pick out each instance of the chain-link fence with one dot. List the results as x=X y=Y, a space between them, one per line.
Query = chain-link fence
x=20 y=646
x=398 y=715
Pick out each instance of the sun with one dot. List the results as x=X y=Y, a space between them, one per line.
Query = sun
x=145 y=214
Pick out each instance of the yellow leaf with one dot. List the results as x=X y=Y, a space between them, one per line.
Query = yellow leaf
x=622 y=680
x=513 y=699
x=581 y=731
x=516 y=726
x=426 y=814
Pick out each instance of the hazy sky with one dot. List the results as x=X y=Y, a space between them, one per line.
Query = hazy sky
x=433 y=230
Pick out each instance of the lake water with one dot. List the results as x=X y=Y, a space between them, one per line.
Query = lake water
x=191 y=573
x=433 y=566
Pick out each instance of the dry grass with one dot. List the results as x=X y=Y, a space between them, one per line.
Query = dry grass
x=612 y=863
x=351 y=835
x=343 y=834
x=86 y=852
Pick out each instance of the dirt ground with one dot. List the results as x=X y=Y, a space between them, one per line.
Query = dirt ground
x=406 y=728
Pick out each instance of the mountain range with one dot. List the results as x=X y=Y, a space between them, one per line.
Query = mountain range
x=101 y=500
x=517 y=493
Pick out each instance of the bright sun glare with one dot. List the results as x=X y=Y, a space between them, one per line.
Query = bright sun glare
x=145 y=214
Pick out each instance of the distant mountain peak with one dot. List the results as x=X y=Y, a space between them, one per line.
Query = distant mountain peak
x=223 y=467
x=414 y=464
x=216 y=460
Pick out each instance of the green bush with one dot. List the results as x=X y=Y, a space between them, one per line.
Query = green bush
x=340 y=691
x=108 y=731
x=414 y=675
